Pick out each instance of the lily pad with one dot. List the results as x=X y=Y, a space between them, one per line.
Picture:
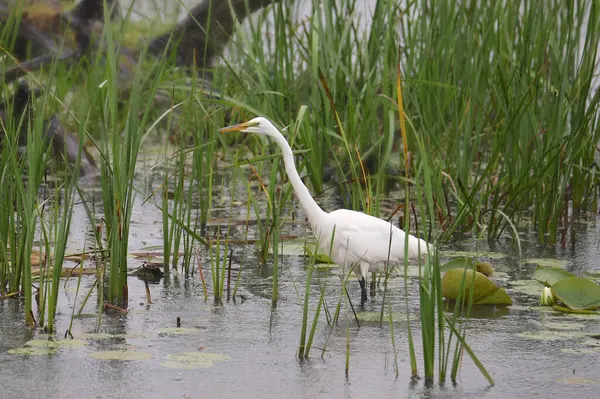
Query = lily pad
x=563 y=326
x=528 y=287
x=193 y=360
x=58 y=343
x=472 y=254
x=580 y=381
x=319 y=257
x=577 y=293
x=32 y=351
x=121 y=355
x=551 y=335
x=550 y=275
x=467 y=263
x=549 y=262
x=581 y=351
x=499 y=297
x=374 y=316
x=178 y=330
x=459 y=263
x=452 y=282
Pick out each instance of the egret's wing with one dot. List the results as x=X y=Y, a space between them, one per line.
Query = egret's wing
x=367 y=238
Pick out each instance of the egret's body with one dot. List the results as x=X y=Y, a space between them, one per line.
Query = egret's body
x=360 y=241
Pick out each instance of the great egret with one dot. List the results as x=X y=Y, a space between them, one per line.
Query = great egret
x=360 y=241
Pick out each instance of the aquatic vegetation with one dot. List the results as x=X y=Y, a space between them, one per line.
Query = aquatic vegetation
x=193 y=360
x=470 y=284
x=578 y=294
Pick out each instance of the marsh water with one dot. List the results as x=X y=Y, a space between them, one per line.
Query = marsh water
x=244 y=347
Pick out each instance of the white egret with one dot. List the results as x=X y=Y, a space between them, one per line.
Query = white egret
x=360 y=241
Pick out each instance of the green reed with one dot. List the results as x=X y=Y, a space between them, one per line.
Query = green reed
x=119 y=151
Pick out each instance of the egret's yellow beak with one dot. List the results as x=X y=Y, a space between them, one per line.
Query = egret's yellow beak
x=236 y=128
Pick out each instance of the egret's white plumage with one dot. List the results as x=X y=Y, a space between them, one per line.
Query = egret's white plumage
x=360 y=241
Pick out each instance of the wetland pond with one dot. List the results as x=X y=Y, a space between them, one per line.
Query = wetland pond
x=247 y=348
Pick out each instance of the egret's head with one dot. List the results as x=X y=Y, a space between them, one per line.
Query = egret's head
x=258 y=125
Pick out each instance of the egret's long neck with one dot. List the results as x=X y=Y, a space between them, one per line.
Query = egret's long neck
x=313 y=211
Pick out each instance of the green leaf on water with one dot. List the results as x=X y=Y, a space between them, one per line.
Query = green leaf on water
x=58 y=343
x=193 y=360
x=473 y=254
x=319 y=257
x=549 y=262
x=178 y=330
x=484 y=290
x=121 y=355
x=375 y=316
x=467 y=263
x=551 y=335
x=498 y=297
x=32 y=351
x=550 y=275
x=459 y=263
x=553 y=325
x=577 y=293
x=581 y=351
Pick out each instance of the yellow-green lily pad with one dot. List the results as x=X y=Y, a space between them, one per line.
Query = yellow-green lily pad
x=528 y=287
x=548 y=262
x=551 y=335
x=483 y=287
x=121 y=355
x=550 y=275
x=374 y=316
x=563 y=326
x=318 y=256
x=178 y=330
x=473 y=254
x=193 y=360
x=577 y=293
x=581 y=351
x=580 y=381
x=58 y=343
x=498 y=297
x=32 y=351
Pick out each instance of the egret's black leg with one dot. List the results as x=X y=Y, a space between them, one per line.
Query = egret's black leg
x=372 y=286
x=363 y=291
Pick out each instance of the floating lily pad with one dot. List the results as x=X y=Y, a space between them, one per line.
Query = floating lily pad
x=374 y=316
x=474 y=254
x=193 y=360
x=551 y=335
x=309 y=249
x=485 y=291
x=546 y=262
x=178 y=330
x=550 y=275
x=291 y=248
x=59 y=343
x=577 y=293
x=528 y=287
x=326 y=266
x=499 y=297
x=32 y=351
x=580 y=381
x=121 y=355
x=485 y=268
x=563 y=326
x=581 y=351
x=459 y=263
